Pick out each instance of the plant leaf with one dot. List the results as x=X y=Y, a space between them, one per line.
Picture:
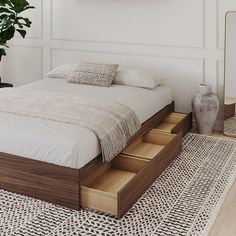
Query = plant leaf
x=3 y=16
x=19 y=5
x=22 y=32
x=29 y=7
x=2 y=53
x=7 y=34
x=19 y=25
x=27 y=22
x=5 y=10
x=3 y=2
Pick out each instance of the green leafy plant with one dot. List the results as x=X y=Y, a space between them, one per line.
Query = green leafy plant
x=11 y=21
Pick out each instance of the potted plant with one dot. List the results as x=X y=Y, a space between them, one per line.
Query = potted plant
x=11 y=22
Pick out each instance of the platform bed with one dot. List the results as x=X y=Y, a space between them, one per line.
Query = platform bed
x=108 y=187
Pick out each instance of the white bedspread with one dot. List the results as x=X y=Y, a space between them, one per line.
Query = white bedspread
x=66 y=144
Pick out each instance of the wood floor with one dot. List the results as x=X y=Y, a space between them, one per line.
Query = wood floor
x=225 y=223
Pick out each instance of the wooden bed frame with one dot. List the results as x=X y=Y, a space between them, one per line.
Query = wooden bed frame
x=53 y=183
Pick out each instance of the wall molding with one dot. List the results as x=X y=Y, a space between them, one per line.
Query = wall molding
x=127 y=53
x=134 y=44
x=218 y=46
x=208 y=56
x=202 y=59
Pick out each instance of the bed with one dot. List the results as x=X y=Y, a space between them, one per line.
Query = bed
x=70 y=145
x=46 y=159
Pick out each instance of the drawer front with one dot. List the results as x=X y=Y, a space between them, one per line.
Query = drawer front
x=137 y=186
x=106 y=189
x=131 y=193
x=168 y=155
x=98 y=200
x=173 y=148
x=176 y=123
x=154 y=144
x=184 y=126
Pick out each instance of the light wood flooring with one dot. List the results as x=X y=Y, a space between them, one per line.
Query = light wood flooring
x=225 y=223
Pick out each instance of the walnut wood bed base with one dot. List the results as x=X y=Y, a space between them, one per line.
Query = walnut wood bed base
x=53 y=183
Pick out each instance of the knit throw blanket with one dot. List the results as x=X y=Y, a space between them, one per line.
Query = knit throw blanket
x=113 y=123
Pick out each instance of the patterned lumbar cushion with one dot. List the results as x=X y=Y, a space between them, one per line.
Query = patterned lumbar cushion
x=137 y=78
x=93 y=74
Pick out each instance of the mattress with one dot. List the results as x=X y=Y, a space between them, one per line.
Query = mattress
x=67 y=144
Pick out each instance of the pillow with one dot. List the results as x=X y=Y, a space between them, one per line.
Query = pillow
x=136 y=78
x=93 y=74
x=60 y=71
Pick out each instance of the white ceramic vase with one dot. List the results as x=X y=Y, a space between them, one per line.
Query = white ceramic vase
x=205 y=107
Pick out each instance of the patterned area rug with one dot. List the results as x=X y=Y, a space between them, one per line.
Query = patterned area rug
x=184 y=200
x=230 y=126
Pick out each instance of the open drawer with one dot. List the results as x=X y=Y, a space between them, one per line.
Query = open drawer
x=175 y=123
x=151 y=145
x=115 y=186
x=158 y=146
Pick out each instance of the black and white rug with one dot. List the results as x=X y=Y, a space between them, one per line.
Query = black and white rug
x=183 y=201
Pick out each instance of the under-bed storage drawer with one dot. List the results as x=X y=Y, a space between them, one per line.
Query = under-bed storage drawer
x=114 y=187
x=153 y=145
x=158 y=146
x=175 y=123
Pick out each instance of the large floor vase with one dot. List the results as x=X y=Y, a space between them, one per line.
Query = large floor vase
x=205 y=107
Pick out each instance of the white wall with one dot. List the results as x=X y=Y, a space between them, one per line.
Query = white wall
x=180 y=39
x=230 y=76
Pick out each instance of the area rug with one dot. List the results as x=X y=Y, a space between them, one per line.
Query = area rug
x=184 y=200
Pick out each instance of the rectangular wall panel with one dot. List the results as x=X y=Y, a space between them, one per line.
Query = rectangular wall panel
x=182 y=74
x=22 y=65
x=155 y=22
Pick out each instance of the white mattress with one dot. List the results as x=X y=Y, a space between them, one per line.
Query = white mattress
x=66 y=144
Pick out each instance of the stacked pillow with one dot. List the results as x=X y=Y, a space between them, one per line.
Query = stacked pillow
x=60 y=72
x=136 y=78
x=104 y=75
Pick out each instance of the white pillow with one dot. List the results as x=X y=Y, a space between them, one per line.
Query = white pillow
x=60 y=71
x=136 y=78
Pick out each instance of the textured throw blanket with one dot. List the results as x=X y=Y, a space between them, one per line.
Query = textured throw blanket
x=113 y=123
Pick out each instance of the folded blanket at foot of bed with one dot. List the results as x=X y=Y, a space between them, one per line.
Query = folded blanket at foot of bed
x=113 y=123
